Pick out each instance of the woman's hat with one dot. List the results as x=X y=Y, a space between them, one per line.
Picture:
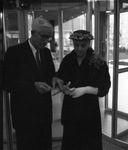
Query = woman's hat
x=81 y=35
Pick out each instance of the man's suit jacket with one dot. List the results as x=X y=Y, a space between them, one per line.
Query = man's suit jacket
x=28 y=106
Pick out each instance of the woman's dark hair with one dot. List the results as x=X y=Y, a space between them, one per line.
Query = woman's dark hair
x=33 y=32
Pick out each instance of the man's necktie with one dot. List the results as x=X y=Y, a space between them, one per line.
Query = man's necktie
x=38 y=60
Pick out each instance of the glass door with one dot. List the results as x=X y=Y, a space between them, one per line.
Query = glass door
x=122 y=105
x=121 y=98
x=11 y=37
x=11 y=28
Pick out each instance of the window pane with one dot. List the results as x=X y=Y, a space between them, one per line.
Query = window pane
x=123 y=40
x=11 y=28
x=123 y=92
x=122 y=120
x=110 y=54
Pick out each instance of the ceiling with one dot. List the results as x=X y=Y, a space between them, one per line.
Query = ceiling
x=49 y=10
x=55 y=6
x=38 y=4
x=70 y=11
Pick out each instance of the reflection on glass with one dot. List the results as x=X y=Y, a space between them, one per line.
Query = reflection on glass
x=110 y=90
x=122 y=129
x=106 y=124
x=73 y=23
x=11 y=28
x=122 y=121
x=123 y=40
x=110 y=54
x=107 y=120
x=123 y=92
x=111 y=37
x=30 y=19
x=68 y=27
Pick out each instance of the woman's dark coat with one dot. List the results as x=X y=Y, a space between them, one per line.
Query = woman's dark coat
x=83 y=111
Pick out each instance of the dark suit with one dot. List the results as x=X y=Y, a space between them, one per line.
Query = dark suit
x=31 y=111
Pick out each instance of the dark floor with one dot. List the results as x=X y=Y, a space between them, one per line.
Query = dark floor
x=57 y=128
x=56 y=146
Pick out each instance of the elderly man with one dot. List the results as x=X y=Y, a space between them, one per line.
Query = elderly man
x=89 y=79
x=29 y=74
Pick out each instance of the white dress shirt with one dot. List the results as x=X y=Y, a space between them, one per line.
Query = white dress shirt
x=33 y=49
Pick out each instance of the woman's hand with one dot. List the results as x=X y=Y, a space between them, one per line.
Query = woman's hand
x=67 y=90
x=84 y=90
x=64 y=88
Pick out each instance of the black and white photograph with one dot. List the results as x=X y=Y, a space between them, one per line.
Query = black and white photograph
x=64 y=74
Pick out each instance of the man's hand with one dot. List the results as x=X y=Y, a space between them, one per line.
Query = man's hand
x=57 y=83
x=42 y=87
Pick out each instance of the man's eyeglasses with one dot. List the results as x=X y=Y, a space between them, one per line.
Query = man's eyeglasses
x=45 y=37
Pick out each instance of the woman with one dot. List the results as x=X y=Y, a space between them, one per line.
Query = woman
x=89 y=79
